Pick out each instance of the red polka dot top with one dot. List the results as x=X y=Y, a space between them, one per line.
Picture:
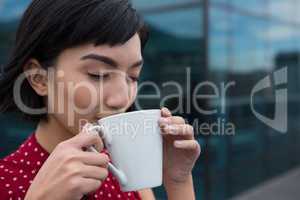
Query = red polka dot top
x=19 y=169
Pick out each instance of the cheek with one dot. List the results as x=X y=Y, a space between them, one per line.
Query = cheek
x=133 y=92
x=72 y=96
x=83 y=98
x=81 y=107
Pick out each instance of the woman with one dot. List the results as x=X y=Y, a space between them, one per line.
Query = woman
x=68 y=49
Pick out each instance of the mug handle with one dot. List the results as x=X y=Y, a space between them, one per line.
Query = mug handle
x=120 y=175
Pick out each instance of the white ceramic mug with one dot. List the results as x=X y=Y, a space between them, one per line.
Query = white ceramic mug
x=134 y=142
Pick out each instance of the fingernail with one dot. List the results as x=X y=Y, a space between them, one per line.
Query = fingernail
x=85 y=127
x=89 y=128
x=94 y=132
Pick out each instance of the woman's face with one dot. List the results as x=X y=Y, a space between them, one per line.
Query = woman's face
x=92 y=82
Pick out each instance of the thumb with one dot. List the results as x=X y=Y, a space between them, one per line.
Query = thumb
x=87 y=138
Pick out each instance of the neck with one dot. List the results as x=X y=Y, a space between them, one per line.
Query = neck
x=50 y=133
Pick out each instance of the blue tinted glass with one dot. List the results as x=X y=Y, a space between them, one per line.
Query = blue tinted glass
x=185 y=23
x=12 y=9
x=144 y=4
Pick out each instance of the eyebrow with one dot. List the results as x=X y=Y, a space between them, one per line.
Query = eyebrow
x=109 y=61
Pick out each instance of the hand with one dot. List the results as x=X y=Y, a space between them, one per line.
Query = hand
x=181 y=150
x=70 y=173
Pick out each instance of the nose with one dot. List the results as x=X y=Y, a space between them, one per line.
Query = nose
x=118 y=94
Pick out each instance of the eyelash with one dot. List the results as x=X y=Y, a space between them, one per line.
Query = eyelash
x=98 y=77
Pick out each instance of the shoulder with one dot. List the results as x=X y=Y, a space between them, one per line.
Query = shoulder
x=9 y=182
x=17 y=171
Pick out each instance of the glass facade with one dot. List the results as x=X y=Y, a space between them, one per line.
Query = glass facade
x=249 y=40
x=229 y=45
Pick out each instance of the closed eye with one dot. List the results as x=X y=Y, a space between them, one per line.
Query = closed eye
x=133 y=78
x=98 y=76
x=107 y=76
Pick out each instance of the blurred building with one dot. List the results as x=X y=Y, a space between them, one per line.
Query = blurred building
x=220 y=41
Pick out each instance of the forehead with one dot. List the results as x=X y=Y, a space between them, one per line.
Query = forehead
x=123 y=53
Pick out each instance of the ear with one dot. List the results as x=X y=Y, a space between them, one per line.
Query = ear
x=37 y=77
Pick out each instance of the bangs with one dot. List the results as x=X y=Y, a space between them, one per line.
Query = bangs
x=100 y=22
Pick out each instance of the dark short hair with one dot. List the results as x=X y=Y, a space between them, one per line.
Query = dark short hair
x=49 y=27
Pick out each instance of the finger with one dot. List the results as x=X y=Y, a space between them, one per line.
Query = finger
x=86 y=139
x=87 y=129
x=187 y=144
x=163 y=121
x=95 y=159
x=99 y=146
x=165 y=112
x=90 y=185
x=179 y=130
x=98 y=173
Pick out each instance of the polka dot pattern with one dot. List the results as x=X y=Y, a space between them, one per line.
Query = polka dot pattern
x=19 y=169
